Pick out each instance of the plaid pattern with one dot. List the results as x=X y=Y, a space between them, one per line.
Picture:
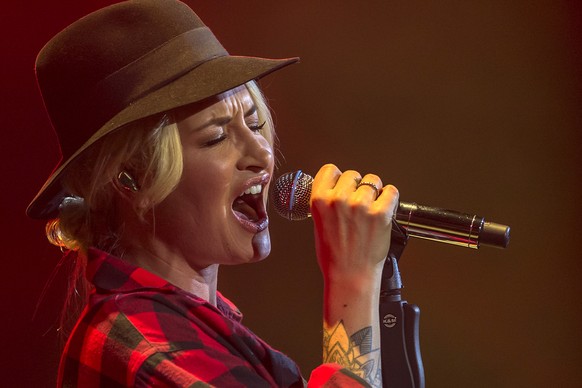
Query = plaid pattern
x=139 y=330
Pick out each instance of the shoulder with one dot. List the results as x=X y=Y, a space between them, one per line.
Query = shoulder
x=120 y=334
x=105 y=346
x=158 y=317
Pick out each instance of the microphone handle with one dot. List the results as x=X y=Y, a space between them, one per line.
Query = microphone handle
x=451 y=227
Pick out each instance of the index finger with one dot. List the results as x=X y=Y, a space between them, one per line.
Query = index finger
x=326 y=178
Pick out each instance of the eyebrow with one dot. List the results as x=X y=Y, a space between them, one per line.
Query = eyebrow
x=251 y=110
x=223 y=120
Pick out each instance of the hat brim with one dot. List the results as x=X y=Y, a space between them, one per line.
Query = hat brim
x=209 y=79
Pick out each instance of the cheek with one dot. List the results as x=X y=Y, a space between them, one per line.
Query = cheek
x=200 y=192
x=205 y=199
x=206 y=178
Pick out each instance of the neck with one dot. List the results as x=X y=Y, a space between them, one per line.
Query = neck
x=140 y=246
x=176 y=270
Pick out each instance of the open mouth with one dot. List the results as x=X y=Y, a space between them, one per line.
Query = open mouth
x=249 y=208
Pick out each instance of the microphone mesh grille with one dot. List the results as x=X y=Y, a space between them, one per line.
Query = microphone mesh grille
x=291 y=195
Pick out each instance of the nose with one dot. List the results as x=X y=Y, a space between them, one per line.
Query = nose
x=256 y=152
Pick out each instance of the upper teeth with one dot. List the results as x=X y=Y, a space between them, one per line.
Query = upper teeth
x=256 y=189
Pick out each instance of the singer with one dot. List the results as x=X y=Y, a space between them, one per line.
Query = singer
x=167 y=158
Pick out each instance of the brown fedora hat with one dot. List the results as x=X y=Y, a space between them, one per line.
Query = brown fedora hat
x=123 y=63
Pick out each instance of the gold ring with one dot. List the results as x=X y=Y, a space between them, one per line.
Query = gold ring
x=372 y=185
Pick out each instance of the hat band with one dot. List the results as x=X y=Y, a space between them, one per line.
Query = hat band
x=158 y=67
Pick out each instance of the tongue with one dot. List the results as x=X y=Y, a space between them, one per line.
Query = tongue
x=245 y=210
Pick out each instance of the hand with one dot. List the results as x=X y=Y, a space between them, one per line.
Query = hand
x=352 y=223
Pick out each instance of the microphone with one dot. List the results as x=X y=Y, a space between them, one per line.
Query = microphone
x=292 y=192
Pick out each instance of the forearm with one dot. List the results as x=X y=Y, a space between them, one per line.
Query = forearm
x=352 y=237
x=351 y=332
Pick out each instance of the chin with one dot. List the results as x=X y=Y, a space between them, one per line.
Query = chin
x=261 y=245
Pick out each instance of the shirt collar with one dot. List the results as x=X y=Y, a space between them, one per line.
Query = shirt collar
x=110 y=274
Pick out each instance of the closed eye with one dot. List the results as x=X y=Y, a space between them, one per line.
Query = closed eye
x=257 y=128
x=215 y=141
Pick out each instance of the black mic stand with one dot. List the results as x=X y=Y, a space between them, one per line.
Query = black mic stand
x=399 y=323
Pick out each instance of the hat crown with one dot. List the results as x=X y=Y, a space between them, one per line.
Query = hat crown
x=76 y=60
x=105 y=41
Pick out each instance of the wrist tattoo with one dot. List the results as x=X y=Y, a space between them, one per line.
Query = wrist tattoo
x=353 y=352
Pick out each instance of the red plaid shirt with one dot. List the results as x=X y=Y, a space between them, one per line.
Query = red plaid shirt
x=139 y=330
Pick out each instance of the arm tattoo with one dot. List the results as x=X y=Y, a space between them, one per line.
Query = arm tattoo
x=354 y=353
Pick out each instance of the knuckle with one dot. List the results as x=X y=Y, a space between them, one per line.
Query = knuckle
x=372 y=176
x=392 y=190
x=351 y=172
x=338 y=199
x=330 y=167
x=359 y=207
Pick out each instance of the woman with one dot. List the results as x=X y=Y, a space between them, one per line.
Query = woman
x=167 y=158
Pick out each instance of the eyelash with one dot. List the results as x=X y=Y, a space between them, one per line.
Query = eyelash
x=254 y=128
x=215 y=141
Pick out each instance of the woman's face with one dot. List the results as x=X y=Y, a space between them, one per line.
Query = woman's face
x=217 y=214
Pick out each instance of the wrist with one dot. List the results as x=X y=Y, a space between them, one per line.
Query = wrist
x=355 y=279
x=352 y=295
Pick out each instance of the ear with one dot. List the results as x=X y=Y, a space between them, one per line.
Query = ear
x=126 y=182
x=128 y=189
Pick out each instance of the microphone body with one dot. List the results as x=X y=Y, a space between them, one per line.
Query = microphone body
x=292 y=192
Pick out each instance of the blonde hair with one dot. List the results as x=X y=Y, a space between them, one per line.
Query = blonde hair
x=149 y=150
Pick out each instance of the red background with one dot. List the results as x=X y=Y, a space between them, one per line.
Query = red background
x=473 y=106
